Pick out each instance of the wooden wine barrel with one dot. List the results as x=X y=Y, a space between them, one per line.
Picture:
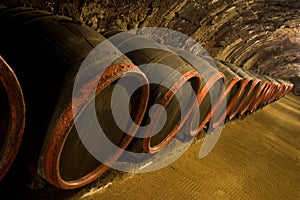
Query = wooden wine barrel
x=257 y=92
x=268 y=93
x=182 y=80
x=251 y=85
x=288 y=86
x=211 y=90
x=263 y=96
x=46 y=52
x=285 y=87
x=233 y=89
x=12 y=117
x=282 y=88
x=276 y=86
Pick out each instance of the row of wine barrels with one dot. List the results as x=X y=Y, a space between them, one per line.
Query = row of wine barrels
x=263 y=88
x=260 y=91
x=51 y=54
x=289 y=85
x=12 y=116
x=46 y=52
x=244 y=90
x=247 y=91
x=58 y=47
x=180 y=79
x=264 y=93
x=251 y=85
x=276 y=88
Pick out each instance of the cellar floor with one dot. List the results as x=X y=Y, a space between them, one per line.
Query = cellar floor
x=257 y=157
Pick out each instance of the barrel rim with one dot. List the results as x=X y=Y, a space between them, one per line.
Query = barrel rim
x=146 y=145
x=245 y=83
x=48 y=164
x=265 y=95
x=256 y=87
x=218 y=76
x=17 y=108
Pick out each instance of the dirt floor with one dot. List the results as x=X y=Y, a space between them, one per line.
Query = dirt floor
x=257 y=157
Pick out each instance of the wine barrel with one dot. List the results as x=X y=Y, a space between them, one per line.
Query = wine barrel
x=268 y=93
x=255 y=92
x=233 y=89
x=12 y=116
x=277 y=88
x=288 y=86
x=179 y=79
x=46 y=52
x=283 y=88
x=258 y=94
x=263 y=95
x=251 y=85
x=211 y=90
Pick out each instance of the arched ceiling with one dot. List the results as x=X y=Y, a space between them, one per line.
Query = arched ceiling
x=260 y=35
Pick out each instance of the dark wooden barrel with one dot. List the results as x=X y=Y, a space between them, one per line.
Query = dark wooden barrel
x=283 y=88
x=248 y=88
x=256 y=93
x=268 y=93
x=233 y=89
x=287 y=85
x=211 y=90
x=276 y=90
x=12 y=116
x=265 y=94
x=182 y=80
x=46 y=52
